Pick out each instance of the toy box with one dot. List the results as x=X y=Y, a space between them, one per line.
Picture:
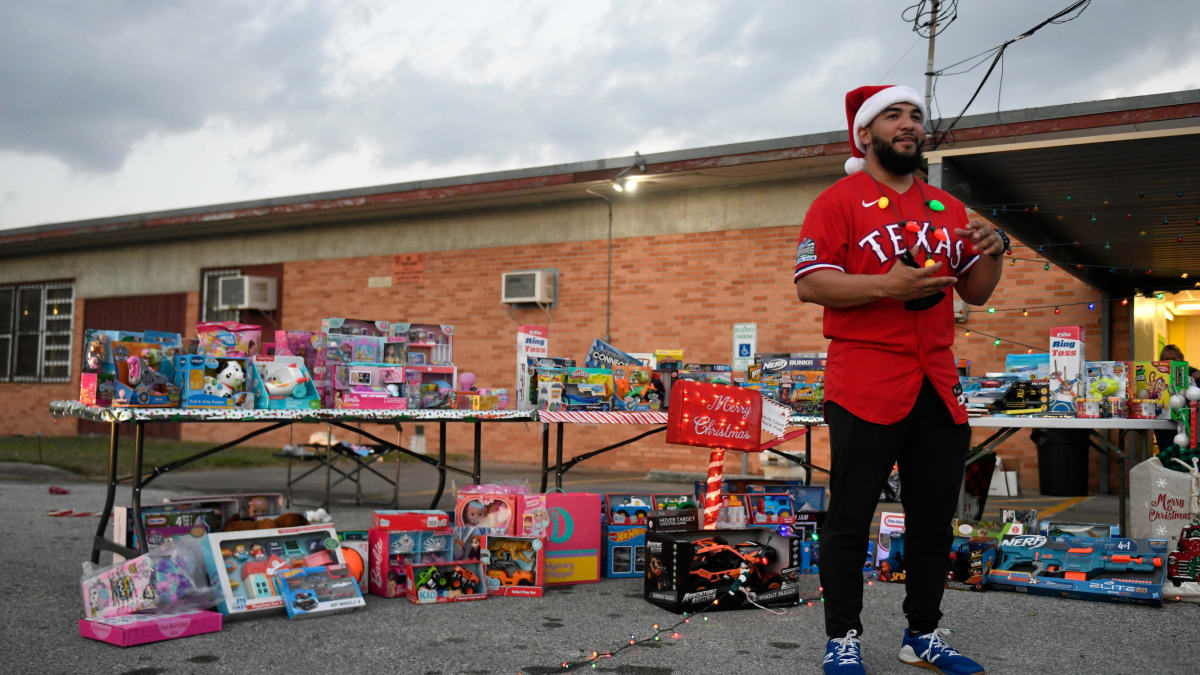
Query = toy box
x=1113 y=570
x=429 y=387
x=314 y=591
x=1107 y=382
x=375 y=386
x=429 y=344
x=391 y=551
x=686 y=571
x=634 y=389
x=716 y=373
x=533 y=343
x=343 y=326
x=672 y=502
x=550 y=383
x=98 y=372
x=800 y=379
x=625 y=535
x=341 y=349
x=144 y=376
x=167 y=521
x=573 y=540
x=137 y=629
x=456 y=581
x=213 y=382
x=889 y=524
x=357 y=543
x=127 y=587
x=1067 y=358
x=1059 y=529
x=282 y=383
x=228 y=338
x=251 y=506
x=734 y=512
x=808 y=525
x=604 y=356
x=425 y=519
x=307 y=345
x=668 y=359
x=673 y=520
x=514 y=566
x=979 y=528
x=804 y=497
x=479 y=509
x=1151 y=380
x=241 y=564
x=971 y=558
x=588 y=389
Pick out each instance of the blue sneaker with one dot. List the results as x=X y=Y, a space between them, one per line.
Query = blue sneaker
x=931 y=651
x=842 y=656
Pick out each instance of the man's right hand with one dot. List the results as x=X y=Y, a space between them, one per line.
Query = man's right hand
x=909 y=283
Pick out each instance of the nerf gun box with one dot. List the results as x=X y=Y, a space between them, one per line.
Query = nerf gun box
x=1111 y=570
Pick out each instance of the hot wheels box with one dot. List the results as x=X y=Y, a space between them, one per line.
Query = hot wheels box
x=686 y=571
x=514 y=566
x=1112 y=570
x=313 y=591
x=137 y=629
x=242 y=565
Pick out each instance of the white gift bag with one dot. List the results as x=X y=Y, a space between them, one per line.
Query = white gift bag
x=1162 y=501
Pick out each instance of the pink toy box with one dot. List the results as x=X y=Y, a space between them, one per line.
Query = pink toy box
x=393 y=551
x=282 y=383
x=138 y=629
x=514 y=566
x=573 y=539
x=427 y=519
x=369 y=386
x=308 y=346
x=342 y=326
x=241 y=565
x=429 y=387
x=428 y=343
x=228 y=338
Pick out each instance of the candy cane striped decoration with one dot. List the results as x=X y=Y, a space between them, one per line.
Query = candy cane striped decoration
x=712 y=494
x=602 y=417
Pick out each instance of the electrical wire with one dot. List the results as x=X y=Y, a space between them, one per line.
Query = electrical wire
x=920 y=15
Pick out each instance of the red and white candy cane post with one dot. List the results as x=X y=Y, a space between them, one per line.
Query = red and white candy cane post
x=721 y=417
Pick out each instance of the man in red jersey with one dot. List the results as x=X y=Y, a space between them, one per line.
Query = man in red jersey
x=883 y=252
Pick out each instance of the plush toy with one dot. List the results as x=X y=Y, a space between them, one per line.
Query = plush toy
x=232 y=376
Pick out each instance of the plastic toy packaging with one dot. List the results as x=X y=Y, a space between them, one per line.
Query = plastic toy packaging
x=228 y=338
x=171 y=578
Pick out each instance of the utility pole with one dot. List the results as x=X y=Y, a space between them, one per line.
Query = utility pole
x=929 y=61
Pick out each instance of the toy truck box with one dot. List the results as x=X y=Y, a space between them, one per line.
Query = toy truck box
x=241 y=565
x=1067 y=358
x=686 y=571
x=456 y=581
x=1112 y=570
x=622 y=509
x=514 y=566
x=770 y=509
x=316 y=591
x=634 y=389
x=1183 y=564
x=624 y=548
x=391 y=552
x=804 y=497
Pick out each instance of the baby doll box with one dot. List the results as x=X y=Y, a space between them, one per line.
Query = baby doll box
x=137 y=629
x=282 y=383
x=242 y=565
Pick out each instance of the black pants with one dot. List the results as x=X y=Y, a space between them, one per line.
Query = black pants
x=930 y=449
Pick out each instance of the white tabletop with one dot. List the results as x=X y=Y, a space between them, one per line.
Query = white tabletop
x=1003 y=421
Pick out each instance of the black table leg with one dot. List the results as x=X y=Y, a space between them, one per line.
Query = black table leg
x=808 y=456
x=558 y=467
x=110 y=495
x=441 y=465
x=545 y=453
x=477 y=471
x=139 y=440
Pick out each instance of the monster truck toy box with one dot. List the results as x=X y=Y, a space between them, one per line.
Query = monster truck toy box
x=1113 y=570
x=686 y=571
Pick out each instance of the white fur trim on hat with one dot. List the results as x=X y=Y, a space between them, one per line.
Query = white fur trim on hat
x=854 y=165
x=879 y=102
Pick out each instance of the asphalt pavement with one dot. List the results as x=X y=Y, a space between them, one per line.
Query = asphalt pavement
x=1008 y=632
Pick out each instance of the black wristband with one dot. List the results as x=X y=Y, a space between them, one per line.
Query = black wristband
x=1007 y=243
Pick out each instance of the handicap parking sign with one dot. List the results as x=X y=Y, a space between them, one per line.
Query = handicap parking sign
x=744 y=350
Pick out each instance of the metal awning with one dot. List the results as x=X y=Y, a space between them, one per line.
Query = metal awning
x=1120 y=211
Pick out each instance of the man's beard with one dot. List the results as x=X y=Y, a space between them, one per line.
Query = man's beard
x=895 y=162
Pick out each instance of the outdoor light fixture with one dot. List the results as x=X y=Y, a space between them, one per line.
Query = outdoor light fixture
x=1187 y=306
x=622 y=182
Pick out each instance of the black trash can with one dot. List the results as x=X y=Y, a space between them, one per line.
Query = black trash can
x=1062 y=461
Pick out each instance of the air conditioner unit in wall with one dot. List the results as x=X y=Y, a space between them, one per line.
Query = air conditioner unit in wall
x=242 y=292
x=529 y=286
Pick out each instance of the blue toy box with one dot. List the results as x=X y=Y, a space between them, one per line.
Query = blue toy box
x=804 y=497
x=1111 y=570
x=282 y=383
x=213 y=381
x=312 y=591
x=624 y=551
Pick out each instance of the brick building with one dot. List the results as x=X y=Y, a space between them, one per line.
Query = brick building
x=706 y=241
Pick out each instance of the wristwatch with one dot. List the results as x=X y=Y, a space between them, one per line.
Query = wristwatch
x=1007 y=243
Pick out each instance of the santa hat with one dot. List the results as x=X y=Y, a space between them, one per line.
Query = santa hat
x=864 y=104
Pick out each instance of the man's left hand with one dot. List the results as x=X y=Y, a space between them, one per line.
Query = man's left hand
x=983 y=237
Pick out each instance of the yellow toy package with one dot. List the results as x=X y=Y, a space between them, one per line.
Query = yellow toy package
x=588 y=389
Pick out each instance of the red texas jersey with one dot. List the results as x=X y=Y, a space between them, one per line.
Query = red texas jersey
x=880 y=352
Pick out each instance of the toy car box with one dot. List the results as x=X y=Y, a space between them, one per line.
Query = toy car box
x=588 y=389
x=241 y=565
x=514 y=566
x=1112 y=570
x=314 y=591
x=625 y=534
x=213 y=381
x=138 y=629
x=282 y=383
x=457 y=581
x=686 y=571
x=392 y=551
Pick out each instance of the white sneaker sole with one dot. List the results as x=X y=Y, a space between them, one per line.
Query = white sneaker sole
x=909 y=658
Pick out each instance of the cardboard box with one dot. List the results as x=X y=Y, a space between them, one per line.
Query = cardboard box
x=393 y=551
x=889 y=524
x=573 y=544
x=137 y=629
x=686 y=571
x=533 y=343
x=457 y=581
x=514 y=566
x=427 y=519
x=313 y=591
x=1067 y=358
x=1111 y=570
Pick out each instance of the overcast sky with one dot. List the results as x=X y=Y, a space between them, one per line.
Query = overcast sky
x=122 y=107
